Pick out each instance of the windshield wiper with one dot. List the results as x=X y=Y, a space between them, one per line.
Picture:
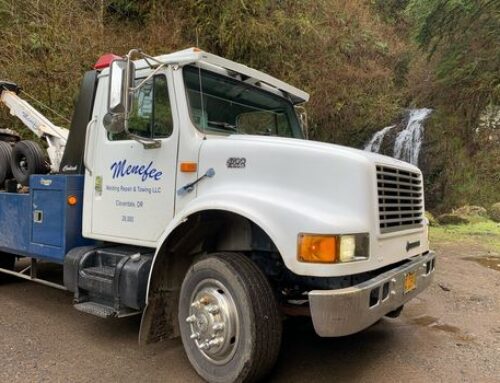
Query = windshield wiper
x=224 y=125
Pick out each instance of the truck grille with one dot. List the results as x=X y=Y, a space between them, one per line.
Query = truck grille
x=400 y=199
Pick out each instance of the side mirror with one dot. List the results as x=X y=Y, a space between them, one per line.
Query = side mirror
x=121 y=80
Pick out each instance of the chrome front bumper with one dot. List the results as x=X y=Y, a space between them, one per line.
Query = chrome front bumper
x=352 y=309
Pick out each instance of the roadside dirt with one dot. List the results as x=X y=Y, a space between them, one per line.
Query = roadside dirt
x=451 y=333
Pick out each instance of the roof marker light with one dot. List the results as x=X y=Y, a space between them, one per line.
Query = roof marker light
x=105 y=60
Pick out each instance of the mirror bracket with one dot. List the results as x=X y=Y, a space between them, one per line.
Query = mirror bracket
x=147 y=143
x=121 y=90
x=301 y=112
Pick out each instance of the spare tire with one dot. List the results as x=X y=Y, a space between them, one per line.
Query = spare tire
x=5 y=155
x=28 y=158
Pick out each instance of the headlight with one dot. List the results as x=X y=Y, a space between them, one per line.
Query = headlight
x=347 y=251
x=321 y=248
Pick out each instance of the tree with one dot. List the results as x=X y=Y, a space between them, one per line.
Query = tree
x=462 y=38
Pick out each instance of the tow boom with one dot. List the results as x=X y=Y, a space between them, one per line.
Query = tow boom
x=35 y=121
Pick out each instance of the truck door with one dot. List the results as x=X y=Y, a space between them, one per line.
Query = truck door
x=132 y=188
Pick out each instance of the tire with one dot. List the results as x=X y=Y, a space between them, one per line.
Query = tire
x=5 y=156
x=250 y=340
x=7 y=261
x=28 y=158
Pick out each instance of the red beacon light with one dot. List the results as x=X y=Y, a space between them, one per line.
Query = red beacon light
x=105 y=60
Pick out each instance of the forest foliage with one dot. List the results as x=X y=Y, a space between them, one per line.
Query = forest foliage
x=363 y=62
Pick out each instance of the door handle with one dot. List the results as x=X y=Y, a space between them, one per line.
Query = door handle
x=37 y=216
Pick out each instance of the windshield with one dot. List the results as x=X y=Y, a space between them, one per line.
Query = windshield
x=223 y=105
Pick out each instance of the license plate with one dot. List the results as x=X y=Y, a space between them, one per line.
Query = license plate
x=410 y=282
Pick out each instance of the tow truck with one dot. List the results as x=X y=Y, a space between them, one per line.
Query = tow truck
x=186 y=191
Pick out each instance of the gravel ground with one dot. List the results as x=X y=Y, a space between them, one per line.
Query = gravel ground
x=451 y=333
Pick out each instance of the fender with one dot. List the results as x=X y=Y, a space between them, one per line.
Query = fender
x=200 y=205
x=279 y=216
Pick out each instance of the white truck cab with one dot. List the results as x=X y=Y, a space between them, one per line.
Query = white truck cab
x=204 y=201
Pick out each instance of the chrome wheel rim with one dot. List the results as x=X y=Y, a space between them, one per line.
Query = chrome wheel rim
x=213 y=321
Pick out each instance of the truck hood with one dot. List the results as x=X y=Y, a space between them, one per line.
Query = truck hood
x=291 y=186
x=324 y=146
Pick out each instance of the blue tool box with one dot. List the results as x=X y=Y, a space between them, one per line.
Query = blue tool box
x=42 y=223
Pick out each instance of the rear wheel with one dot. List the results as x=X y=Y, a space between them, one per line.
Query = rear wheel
x=28 y=158
x=5 y=155
x=229 y=319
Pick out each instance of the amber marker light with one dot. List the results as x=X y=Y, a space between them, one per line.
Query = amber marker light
x=316 y=248
x=72 y=200
x=189 y=167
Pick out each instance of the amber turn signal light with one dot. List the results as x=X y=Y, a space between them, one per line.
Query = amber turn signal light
x=72 y=200
x=189 y=167
x=316 y=248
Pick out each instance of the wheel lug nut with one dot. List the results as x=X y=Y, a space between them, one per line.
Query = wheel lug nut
x=204 y=346
x=215 y=342
x=218 y=327
x=195 y=335
x=191 y=319
x=204 y=301
x=213 y=309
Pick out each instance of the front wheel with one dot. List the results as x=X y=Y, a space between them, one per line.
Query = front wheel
x=229 y=319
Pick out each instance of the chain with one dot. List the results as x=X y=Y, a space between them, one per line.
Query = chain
x=45 y=106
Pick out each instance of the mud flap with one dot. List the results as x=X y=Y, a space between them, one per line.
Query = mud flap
x=159 y=318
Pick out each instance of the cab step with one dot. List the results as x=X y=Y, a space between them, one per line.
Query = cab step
x=105 y=272
x=104 y=311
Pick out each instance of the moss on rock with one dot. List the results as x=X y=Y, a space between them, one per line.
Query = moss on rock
x=471 y=211
x=494 y=212
x=432 y=220
x=452 y=219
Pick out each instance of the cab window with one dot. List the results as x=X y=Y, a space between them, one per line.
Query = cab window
x=225 y=105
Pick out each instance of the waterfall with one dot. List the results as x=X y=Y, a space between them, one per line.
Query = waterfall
x=408 y=141
x=377 y=139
